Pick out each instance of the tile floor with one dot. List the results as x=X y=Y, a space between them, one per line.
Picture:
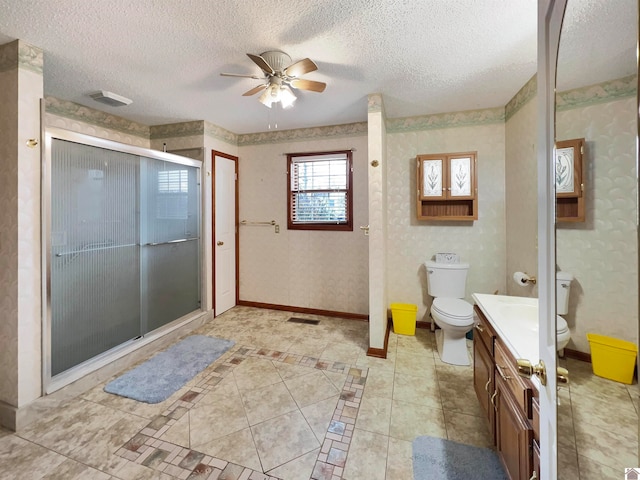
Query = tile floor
x=298 y=401
x=597 y=425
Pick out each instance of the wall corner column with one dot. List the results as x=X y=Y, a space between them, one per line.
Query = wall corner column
x=21 y=89
x=377 y=183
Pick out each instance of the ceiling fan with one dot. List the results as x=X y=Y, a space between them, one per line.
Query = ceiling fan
x=279 y=75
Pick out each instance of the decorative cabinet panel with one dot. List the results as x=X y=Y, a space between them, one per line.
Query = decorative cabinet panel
x=569 y=168
x=514 y=434
x=447 y=186
x=483 y=381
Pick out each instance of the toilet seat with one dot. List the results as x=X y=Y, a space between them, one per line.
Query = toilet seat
x=454 y=311
x=563 y=335
x=561 y=325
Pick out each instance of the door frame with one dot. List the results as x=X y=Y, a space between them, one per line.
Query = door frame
x=214 y=154
x=550 y=15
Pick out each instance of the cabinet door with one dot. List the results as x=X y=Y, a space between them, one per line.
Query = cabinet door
x=483 y=373
x=568 y=168
x=432 y=177
x=461 y=183
x=536 y=461
x=514 y=434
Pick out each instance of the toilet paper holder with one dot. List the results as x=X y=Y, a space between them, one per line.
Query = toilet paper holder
x=522 y=278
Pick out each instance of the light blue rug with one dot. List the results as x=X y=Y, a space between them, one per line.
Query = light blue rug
x=166 y=372
x=440 y=459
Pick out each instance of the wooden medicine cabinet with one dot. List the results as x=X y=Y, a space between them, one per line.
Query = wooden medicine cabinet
x=569 y=168
x=447 y=186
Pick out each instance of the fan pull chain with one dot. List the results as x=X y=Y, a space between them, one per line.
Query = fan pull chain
x=275 y=114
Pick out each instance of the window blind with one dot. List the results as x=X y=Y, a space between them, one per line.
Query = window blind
x=319 y=188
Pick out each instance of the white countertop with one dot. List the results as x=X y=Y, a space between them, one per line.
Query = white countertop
x=515 y=320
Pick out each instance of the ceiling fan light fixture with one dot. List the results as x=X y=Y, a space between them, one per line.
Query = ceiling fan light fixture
x=266 y=98
x=275 y=93
x=280 y=78
x=286 y=96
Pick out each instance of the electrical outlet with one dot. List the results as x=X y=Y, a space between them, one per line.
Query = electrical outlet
x=277 y=228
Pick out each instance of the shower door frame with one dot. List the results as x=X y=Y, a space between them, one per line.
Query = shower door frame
x=51 y=384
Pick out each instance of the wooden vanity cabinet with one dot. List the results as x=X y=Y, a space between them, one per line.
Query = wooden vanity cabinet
x=507 y=400
x=514 y=434
x=484 y=369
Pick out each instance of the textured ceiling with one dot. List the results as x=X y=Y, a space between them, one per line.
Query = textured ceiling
x=424 y=56
x=598 y=42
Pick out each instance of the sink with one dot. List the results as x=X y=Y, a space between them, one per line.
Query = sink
x=515 y=320
x=525 y=315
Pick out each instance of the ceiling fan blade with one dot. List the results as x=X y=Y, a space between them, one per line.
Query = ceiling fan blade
x=308 y=85
x=240 y=75
x=254 y=90
x=300 y=68
x=262 y=63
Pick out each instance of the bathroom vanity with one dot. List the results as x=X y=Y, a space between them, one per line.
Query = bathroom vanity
x=508 y=400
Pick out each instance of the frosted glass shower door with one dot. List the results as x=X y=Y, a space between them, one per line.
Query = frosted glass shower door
x=95 y=264
x=170 y=241
x=124 y=248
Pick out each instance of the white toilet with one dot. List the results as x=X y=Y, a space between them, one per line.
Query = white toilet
x=563 y=288
x=446 y=283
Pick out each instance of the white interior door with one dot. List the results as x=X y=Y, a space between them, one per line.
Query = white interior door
x=225 y=232
x=550 y=13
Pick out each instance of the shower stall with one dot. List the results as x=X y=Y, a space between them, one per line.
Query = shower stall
x=122 y=250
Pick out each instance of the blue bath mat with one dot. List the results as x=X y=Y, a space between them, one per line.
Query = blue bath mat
x=166 y=372
x=440 y=459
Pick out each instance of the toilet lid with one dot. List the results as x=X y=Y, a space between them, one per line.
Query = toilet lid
x=454 y=308
x=561 y=324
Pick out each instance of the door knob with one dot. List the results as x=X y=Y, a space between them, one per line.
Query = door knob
x=526 y=370
x=365 y=229
x=219 y=243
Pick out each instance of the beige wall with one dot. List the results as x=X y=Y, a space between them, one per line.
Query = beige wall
x=521 y=197
x=302 y=268
x=602 y=252
x=411 y=242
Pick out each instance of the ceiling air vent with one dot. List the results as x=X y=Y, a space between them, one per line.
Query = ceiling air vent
x=110 y=98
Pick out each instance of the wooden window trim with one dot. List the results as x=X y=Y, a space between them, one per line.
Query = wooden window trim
x=328 y=226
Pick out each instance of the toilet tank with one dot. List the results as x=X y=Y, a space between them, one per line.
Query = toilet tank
x=563 y=288
x=446 y=279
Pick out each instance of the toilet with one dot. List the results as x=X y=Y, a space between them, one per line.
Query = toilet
x=563 y=288
x=446 y=283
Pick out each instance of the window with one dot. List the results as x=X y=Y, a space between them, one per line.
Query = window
x=319 y=190
x=173 y=195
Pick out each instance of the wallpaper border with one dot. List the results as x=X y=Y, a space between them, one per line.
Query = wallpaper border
x=75 y=111
x=375 y=103
x=301 y=134
x=172 y=130
x=446 y=120
x=520 y=99
x=599 y=93
x=215 y=131
x=24 y=56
